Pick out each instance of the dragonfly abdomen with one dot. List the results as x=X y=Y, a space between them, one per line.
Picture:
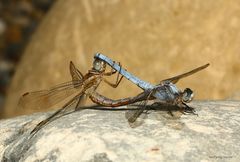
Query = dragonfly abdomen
x=102 y=100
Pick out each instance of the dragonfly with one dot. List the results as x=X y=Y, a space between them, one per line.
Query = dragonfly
x=165 y=93
x=80 y=88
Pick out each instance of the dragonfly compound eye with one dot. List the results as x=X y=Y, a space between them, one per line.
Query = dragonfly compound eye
x=187 y=95
x=99 y=65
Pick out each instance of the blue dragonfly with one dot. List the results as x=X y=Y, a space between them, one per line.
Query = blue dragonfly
x=166 y=92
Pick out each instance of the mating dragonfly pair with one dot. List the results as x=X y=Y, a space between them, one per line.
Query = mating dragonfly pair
x=84 y=86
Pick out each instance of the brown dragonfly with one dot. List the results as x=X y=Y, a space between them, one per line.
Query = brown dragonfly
x=81 y=87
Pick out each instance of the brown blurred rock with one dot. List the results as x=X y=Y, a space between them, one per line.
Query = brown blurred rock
x=152 y=39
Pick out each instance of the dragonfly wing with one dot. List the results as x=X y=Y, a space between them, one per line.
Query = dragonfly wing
x=81 y=101
x=75 y=73
x=47 y=98
x=66 y=109
x=142 y=112
x=135 y=116
x=77 y=76
x=178 y=77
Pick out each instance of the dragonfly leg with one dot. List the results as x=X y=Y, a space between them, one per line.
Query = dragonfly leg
x=146 y=112
x=182 y=111
x=170 y=112
x=113 y=71
x=114 y=85
x=189 y=110
x=169 y=107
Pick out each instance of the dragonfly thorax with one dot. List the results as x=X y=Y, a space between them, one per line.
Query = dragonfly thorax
x=173 y=88
x=166 y=92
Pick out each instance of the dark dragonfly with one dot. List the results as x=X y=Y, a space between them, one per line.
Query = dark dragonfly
x=166 y=92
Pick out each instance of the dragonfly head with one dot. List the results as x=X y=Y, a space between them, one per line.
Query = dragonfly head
x=187 y=95
x=99 y=65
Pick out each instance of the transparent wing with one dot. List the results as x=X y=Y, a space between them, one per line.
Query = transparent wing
x=77 y=76
x=47 y=98
x=178 y=77
x=142 y=112
x=81 y=101
x=67 y=108
x=136 y=114
x=67 y=89
x=75 y=73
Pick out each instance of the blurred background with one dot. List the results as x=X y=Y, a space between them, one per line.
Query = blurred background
x=153 y=39
x=18 y=21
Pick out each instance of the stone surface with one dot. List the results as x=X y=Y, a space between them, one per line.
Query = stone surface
x=153 y=39
x=103 y=136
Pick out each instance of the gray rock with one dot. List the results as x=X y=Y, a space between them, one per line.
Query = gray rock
x=94 y=135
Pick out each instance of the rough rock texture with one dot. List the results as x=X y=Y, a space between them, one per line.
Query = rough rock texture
x=152 y=39
x=104 y=136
